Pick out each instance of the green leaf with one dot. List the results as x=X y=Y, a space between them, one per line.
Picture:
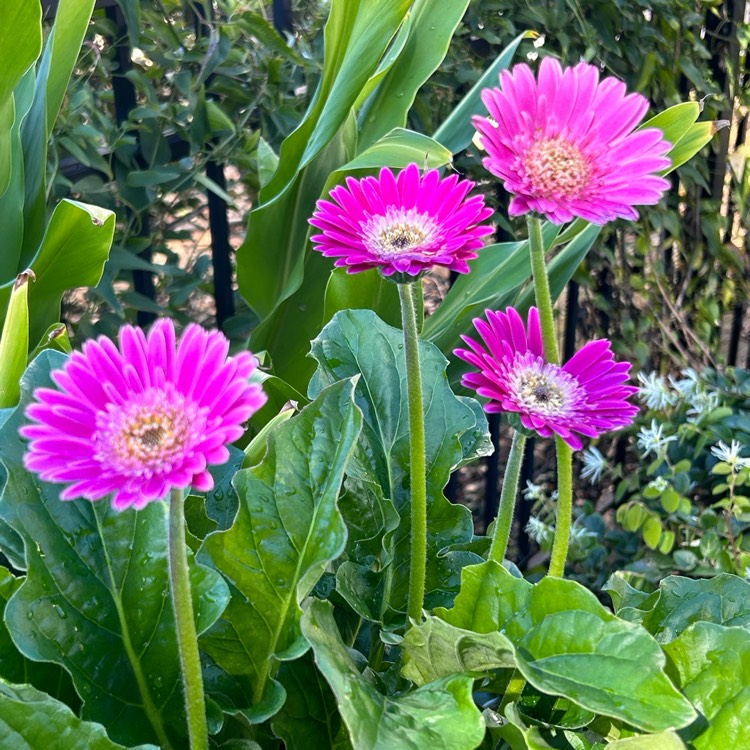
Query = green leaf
x=73 y=252
x=14 y=342
x=436 y=648
x=652 y=531
x=20 y=45
x=60 y=55
x=310 y=718
x=431 y=27
x=30 y=720
x=675 y=121
x=71 y=22
x=692 y=142
x=712 y=665
x=356 y=36
x=12 y=202
x=358 y=342
x=568 y=644
x=397 y=148
x=96 y=596
x=15 y=667
x=456 y=131
x=438 y=716
x=288 y=529
x=679 y=602
x=366 y=290
x=661 y=741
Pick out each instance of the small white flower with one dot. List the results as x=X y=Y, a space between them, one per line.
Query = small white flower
x=688 y=385
x=594 y=464
x=533 y=492
x=659 y=484
x=539 y=531
x=701 y=403
x=730 y=454
x=652 y=440
x=655 y=391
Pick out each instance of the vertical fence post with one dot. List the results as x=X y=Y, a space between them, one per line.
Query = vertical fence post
x=125 y=102
x=218 y=221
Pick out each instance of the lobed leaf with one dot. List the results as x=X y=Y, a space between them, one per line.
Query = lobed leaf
x=437 y=716
x=30 y=720
x=566 y=643
x=680 y=602
x=712 y=666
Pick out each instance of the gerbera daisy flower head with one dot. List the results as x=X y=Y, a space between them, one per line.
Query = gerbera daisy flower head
x=141 y=419
x=585 y=396
x=565 y=146
x=402 y=224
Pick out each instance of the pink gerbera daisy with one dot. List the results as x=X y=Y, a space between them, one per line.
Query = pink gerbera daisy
x=565 y=146
x=142 y=419
x=586 y=395
x=402 y=223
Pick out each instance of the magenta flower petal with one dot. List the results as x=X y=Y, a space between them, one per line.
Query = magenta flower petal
x=142 y=419
x=404 y=223
x=586 y=396
x=565 y=146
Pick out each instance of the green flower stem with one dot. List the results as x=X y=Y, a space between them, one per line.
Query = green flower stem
x=541 y=289
x=552 y=354
x=564 y=508
x=187 y=638
x=417 y=455
x=504 y=520
x=513 y=691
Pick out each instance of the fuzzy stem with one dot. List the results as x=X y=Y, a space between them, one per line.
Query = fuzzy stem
x=187 y=638
x=551 y=354
x=417 y=455
x=504 y=520
x=564 y=508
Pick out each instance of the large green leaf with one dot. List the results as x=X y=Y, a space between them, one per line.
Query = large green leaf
x=357 y=342
x=456 y=132
x=712 y=666
x=431 y=27
x=679 y=602
x=566 y=643
x=31 y=720
x=436 y=648
x=438 y=716
x=60 y=55
x=310 y=717
x=73 y=252
x=288 y=529
x=15 y=667
x=20 y=45
x=96 y=596
x=12 y=202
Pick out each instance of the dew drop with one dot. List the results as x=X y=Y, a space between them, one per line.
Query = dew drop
x=59 y=611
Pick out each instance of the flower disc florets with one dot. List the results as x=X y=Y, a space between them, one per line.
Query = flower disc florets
x=566 y=147
x=401 y=224
x=142 y=419
x=585 y=396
